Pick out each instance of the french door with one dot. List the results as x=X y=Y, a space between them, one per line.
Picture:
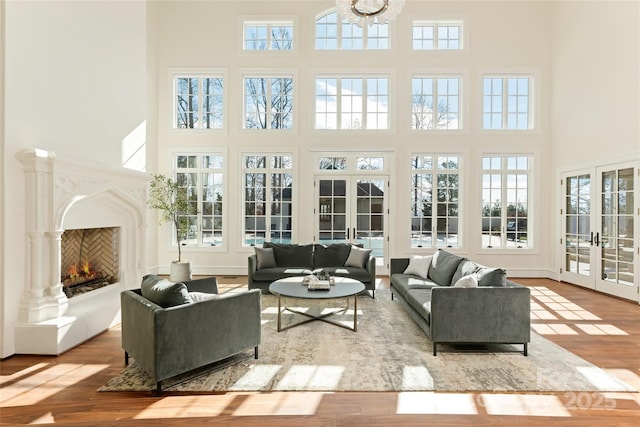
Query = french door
x=352 y=209
x=599 y=237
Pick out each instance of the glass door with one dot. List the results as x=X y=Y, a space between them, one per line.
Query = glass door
x=598 y=229
x=352 y=210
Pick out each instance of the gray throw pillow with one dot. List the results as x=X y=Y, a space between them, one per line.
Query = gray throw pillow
x=468 y=281
x=334 y=255
x=357 y=257
x=265 y=258
x=443 y=267
x=164 y=292
x=491 y=277
x=418 y=266
x=291 y=255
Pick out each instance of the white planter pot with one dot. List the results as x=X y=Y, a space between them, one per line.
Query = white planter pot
x=180 y=271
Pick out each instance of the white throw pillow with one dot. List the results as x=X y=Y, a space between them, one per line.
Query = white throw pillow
x=468 y=281
x=202 y=296
x=418 y=266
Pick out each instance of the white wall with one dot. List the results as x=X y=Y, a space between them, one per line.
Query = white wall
x=505 y=36
x=75 y=83
x=596 y=84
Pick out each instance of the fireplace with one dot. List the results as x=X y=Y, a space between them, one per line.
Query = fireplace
x=83 y=221
x=90 y=259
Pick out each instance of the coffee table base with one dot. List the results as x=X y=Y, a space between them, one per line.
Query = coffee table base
x=322 y=318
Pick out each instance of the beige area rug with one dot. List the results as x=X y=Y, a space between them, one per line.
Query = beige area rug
x=389 y=352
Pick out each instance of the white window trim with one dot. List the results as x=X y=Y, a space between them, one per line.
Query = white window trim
x=534 y=99
x=200 y=73
x=461 y=22
x=269 y=20
x=391 y=32
x=463 y=104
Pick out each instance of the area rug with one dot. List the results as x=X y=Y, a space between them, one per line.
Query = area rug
x=389 y=352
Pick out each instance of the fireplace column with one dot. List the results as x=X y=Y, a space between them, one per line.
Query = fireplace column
x=55 y=291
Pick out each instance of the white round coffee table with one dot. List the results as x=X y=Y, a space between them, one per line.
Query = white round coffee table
x=293 y=287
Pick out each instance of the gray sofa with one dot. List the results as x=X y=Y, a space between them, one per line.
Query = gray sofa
x=178 y=327
x=495 y=310
x=276 y=261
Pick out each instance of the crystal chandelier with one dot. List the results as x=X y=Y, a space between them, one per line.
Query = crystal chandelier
x=369 y=12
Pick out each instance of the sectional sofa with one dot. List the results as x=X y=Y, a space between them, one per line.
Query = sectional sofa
x=277 y=260
x=455 y=300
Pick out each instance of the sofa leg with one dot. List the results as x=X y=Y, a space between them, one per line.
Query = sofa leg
x=159 y=388
x=255 y=352
x=434 y=348
x=525 y=352
x=126 y=358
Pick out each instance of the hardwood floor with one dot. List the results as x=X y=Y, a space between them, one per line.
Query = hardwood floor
x=601 y=329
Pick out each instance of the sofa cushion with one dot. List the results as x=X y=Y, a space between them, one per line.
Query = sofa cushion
x=358 y=257
x=420 y=301
x=291 y=255
x=352 y=272
x=491 y=276
x=443 y=267
x=468 y=281
x=164 y=292
x=265 y=258
x=419 y=266
x=465 y=268
x=273 y=274
x=403 y=283
x=330 y=255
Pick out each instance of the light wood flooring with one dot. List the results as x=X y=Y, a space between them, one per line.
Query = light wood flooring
x=601 y=329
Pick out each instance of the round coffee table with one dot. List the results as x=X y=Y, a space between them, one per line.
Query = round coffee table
x=293 y=287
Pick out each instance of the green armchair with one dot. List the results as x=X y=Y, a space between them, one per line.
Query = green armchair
x=168 y=341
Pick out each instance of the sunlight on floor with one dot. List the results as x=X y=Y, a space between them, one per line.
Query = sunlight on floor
x=436 y=403
x=530 y=405
x=314 y=377
x=38 y=386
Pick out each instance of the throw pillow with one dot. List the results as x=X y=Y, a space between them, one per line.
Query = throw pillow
x=291 y=255
x=491 y=277
x=163 y=292
x=418 y=266
x=443 y=267
x=357 y=257
x=202 y=296
x=333 y=255
x=265 y=258
x=470 y=281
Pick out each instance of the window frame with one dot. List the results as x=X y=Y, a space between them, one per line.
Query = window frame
x=200 y=169
x=339 y=77
x=339 y=39
x=267 y=200
x=200 y=73
x=503 y=172
x=462 y=112
x=437 y=24
x=270 y=75
x=434 y=171
x=533 y=100
x=292 y=21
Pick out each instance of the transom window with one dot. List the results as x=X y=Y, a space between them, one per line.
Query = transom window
x=333 y=34
x=435 y=102
x=507 y=102
x=505 y=201
x=352 y=103
x=437 y=36
x=268 y=102
x=267 y=198
x=268 y=35
x=198 y=102
x=435 y=198
x=202 y=176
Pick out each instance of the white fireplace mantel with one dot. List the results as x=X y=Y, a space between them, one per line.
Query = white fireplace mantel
x=63 y=194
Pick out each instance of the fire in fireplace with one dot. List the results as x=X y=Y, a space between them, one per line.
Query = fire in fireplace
x=90 y=259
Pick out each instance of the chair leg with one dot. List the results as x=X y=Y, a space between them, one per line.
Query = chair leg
x=255 y=352
x=126 y=358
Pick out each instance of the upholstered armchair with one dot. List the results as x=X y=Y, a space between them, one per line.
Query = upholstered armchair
x=188 y=326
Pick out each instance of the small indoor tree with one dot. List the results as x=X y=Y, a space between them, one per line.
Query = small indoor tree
x=172 y=200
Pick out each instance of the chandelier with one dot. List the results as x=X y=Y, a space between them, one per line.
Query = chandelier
x=369 y=12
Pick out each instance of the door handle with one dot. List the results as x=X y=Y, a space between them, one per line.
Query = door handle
x=598 y=239
x=591 y=240
x=354 y=233
x=348 y=230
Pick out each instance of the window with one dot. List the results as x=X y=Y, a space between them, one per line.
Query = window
x=444 y=92
x=352 y=103
x=505 y=201
x=268 y=102
x=198 y=102
x=268 y=205
x=435 y=198
x=437 y=36
x=507 y=103
x=268 y=35
x=202 y=177
x=333 y=35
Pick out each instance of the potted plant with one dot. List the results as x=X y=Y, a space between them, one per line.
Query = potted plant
x=172 y=200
